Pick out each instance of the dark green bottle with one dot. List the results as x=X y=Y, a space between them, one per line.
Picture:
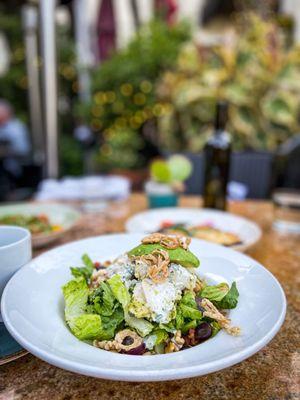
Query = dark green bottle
x=217 y=152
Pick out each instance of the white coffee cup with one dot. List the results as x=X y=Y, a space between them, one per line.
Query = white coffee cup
x=15 y=251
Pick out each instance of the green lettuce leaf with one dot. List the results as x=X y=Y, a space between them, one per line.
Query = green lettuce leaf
x=103 y=300
x=119 y=290
x=190 y=312
x=215 y=328
x=157 y=337
x=110 y=324
x=86 y=271
x=230 y=300
x=179 y=320
x=169 y=327
x=188 y=299
x=216 y=292
x=84 y=326
x=191 y=324
x=142 y=326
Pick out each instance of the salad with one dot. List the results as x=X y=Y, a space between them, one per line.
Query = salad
x=147 y=301
x=35 y=223
x=205 y=231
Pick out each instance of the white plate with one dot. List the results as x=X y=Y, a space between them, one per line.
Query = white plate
x=58 y=214
x=150 y=221
x=32 y=309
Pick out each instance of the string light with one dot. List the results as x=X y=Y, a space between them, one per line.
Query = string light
x=139 y=99
x=100 y=98
x=96 y=124
x=121 y=122
x=110 y=97
x=118 y=107
x=157 y=110
x=97 y=111
x=146 y=86
x=126 y=89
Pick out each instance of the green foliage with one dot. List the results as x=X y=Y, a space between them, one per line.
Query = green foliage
x=70 y=155
x=120 y=149
x=255 y=73
x=13 y=84
x=124 y=97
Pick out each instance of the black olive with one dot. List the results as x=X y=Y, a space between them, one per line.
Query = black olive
x=136 y=351
x=203 y=331
x=127 y=341
x=198 y=302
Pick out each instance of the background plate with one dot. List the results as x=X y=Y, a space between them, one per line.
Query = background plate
x=58 y=214
x=150 y=221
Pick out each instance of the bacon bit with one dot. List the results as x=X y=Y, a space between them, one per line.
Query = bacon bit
x=97 y=265
x=166 y=224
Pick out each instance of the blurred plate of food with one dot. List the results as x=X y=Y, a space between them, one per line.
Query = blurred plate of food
x=219 y=227
x=47 y=222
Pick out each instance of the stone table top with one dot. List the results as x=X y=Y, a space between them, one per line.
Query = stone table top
x=271 y=374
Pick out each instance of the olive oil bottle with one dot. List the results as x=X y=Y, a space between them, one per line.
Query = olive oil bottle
x=217 y=152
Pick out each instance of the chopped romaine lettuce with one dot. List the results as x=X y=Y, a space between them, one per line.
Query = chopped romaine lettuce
x=157 y=337
x=142 y=326
x=192 y=324
x=119 y=290
x=110 y=324
x=179 y=320
x=84 y=326
x=215 y=328
x=103 y=300
x=169 y=327
x=188 y=299
x=230 y=300
x=190 y=312
x=85 y=271
x=216 y=292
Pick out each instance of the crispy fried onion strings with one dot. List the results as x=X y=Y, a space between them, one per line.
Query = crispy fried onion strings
x=158 y=262
x=169 y=242
x=212 y=312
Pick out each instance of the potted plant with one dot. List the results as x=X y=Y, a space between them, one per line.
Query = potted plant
x=167 y=181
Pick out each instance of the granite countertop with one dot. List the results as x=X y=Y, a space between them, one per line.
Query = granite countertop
x=271 y=374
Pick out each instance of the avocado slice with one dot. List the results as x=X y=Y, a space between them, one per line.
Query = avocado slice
x=178 y=256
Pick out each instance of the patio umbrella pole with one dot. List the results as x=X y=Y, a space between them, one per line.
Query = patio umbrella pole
x=49 y=85
x=30 y=21
x=82 y=49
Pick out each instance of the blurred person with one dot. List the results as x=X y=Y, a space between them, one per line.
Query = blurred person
x=14 y=136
